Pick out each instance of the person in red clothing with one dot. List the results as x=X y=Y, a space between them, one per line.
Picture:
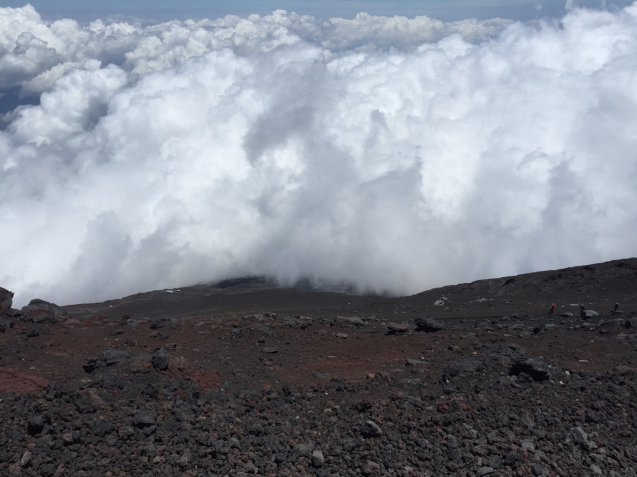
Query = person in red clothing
x=552 y=309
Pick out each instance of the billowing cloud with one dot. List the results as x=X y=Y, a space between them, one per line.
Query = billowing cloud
x=389 y=153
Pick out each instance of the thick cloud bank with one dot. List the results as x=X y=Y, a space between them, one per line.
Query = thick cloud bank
x=390 y=153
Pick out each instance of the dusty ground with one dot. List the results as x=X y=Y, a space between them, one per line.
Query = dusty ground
x=235 y=344
x=213 y=336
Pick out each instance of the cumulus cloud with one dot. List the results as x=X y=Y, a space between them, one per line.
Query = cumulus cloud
x=393 y=154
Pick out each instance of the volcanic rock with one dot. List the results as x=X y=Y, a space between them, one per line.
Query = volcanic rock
x=371 y=429
x=160 y=359
x=113 y=356
x=428 y=325
x=393 y=327
x=536 y=368
x=143 y=419
x=40 y=311
x=589 y=314
x=6 y=299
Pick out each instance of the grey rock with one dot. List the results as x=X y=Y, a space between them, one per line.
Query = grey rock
x=589 y=314
x=270 y=350
x=317 y=458
x=371 y=429
x=40 y=311
x=538 y=470
x=4 y=324
x=536 y=368
x=485 y=470
x=351 y=320
x=578 y=434
x=36 y=424
x=26 y=459
x=393 y=327
x=114 y=356
x=428 y=325
x=305 y=449
x=160 y=359
x=6 y=298
x=415 y=362
x=462 y=367
x=32 y=332
x=143 y=419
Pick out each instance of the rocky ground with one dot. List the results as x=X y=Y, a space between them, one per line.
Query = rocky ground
x=243 y=378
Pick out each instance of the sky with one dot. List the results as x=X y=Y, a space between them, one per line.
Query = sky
x=388 y=154
x=447 y=10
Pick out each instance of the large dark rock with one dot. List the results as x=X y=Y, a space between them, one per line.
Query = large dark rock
x=36 y=424
x=428 y=325
x=6 y=299
x=40 y=311
x=92 y=363
x=4 y=324
x=160 y=359
x=536 y=368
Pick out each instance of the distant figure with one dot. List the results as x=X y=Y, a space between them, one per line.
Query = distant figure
x=552 y=309
x=616 y=306
x=582 y=311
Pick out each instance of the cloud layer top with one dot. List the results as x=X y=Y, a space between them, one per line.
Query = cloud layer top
x=395 y=154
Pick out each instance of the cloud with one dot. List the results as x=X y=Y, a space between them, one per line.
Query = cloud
x=392 y=154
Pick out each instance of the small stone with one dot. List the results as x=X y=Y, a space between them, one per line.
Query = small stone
x=453 y=442
x=371 y=429
x=270 y=350
x=341 y=335
x=26 y=459
x=317 y=458
x=485 y=470
x=415 y=362
x=143 y=419
x=539 y=471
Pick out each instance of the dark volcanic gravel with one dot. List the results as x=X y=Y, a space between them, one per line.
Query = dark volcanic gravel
x=345 y=385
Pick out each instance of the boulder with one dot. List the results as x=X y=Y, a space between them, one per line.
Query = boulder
x=350 y=320
x=589 y=314
x=393 y=327
x=6 y=298
x=428 y=325
x=160 y=359
x=536 y=368
x=40 y=311
x=92 y=363
x=444 y=301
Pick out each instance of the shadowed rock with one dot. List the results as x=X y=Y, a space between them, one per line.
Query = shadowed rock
x=535 y=368
x=6 y=299
x=160 y=359
x=428 y=325
x=40 y=311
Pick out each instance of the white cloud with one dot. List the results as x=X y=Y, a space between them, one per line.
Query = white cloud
x=394 y=154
